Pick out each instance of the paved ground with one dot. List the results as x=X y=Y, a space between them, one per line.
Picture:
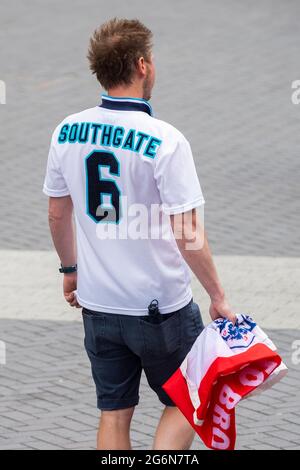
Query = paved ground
x=224 y=74
x=47 y=395
x=267 y=288
x=48 y=399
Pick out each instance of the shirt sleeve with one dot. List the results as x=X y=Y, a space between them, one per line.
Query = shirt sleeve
x=177 y=179
x=54 y=183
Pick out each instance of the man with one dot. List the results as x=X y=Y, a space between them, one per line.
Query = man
x=104 y=164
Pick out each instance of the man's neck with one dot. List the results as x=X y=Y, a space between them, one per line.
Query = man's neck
x=132 y=92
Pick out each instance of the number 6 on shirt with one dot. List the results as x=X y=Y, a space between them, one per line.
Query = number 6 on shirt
x=98 y=187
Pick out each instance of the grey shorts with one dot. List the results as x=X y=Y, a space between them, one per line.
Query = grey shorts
x=121 y=346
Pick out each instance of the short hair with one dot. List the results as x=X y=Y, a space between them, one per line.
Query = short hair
x=115 y=49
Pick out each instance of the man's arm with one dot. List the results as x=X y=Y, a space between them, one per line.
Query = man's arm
x=193 y=245
x=60 y=216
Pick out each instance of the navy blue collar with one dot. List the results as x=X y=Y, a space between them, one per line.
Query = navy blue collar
x=126 y=104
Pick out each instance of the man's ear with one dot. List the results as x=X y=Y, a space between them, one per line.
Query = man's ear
x=141 y=66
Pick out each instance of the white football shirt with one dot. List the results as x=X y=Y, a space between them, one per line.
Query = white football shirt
x=125 y=169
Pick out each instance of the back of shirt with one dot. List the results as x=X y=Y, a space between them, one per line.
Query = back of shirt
x=126 y=172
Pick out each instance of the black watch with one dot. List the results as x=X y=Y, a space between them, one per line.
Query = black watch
x=68 y=269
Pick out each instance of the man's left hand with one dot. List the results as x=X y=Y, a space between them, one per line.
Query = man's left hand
x=69 y=286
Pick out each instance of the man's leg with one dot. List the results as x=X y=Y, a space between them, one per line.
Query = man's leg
x=174 y=432
x=167 y=344
x=114 y=430
x=116 y=371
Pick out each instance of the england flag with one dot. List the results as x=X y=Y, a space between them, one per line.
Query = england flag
x=226 y=363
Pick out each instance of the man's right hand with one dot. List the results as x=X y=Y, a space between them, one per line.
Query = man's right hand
x=220 y=308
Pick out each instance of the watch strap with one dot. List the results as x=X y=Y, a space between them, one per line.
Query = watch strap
x=68 y=269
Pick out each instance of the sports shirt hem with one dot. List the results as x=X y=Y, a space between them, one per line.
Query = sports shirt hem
x=55 y=192
x=135 y=312
x=172 y=210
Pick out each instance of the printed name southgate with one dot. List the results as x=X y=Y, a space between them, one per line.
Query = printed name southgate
x=121 y=460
